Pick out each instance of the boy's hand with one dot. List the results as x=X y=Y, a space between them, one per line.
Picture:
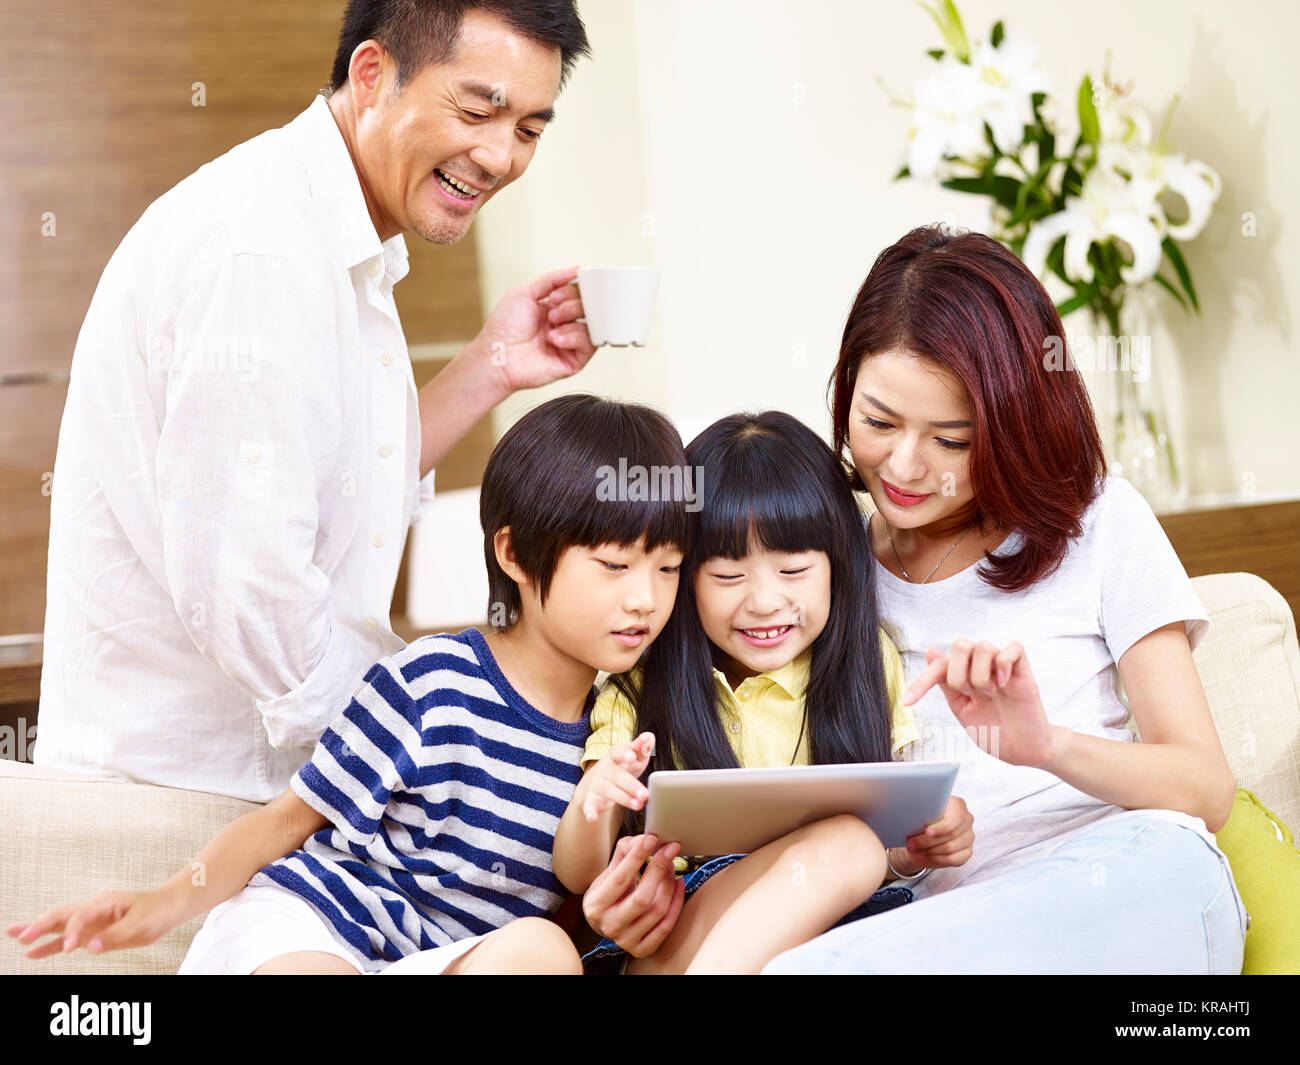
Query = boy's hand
x=946 y=842
x=615 y=779
x=112 y=920
x=637 y=899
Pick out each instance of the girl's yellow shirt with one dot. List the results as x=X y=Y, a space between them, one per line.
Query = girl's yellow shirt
x=763 y=717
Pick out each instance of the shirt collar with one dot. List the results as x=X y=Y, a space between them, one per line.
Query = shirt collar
x=336 y=192
x=792 y=677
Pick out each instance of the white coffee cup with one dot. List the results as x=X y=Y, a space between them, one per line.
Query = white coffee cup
x=617 y=303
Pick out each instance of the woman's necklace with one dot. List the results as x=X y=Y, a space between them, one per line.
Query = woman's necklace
x=890 y=534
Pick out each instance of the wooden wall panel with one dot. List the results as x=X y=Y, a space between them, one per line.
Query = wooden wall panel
x=97 y=105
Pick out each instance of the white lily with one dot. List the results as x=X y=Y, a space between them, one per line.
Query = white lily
x=1126 y=147
x=947 y=117
x=1108 y=207
x=1197 y=184
x=1121 y=120
x=1012 y=72
x=953 y=104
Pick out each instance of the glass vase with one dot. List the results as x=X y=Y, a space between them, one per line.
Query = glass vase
x=1141 y=448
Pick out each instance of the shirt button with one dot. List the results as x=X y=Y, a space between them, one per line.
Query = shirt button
x=735 y=726
x=386 y=358
x=377 y=539
x=371 y=624
x=376 y=267
x=385 y=450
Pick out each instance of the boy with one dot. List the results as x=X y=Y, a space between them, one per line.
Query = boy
x=418 y=836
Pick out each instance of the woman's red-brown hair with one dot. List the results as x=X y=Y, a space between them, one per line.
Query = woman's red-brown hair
x=967 y=303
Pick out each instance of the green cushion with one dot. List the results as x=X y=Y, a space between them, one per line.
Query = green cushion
x=1266 y=868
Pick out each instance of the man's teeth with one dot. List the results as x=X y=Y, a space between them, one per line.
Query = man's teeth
x=765 y=634
x=456 y=188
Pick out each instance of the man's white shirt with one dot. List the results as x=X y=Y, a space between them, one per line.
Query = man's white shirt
x=237 y=467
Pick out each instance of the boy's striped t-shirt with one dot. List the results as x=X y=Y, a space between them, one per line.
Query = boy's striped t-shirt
x=444 y=788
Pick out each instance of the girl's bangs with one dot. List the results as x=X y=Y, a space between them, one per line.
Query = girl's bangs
x=769 y=503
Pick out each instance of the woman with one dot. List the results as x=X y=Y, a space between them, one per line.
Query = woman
x=998 y=543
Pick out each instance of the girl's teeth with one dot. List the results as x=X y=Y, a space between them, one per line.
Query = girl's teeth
x=764 y=634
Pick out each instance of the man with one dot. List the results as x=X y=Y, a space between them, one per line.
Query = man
x=243 y=448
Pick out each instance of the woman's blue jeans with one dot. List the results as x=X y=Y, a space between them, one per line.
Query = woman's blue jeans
x=1130 y=894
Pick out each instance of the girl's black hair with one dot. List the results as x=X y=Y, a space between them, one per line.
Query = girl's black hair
x=553 y=479
x=769 y=477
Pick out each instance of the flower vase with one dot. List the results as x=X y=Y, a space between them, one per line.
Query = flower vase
x=1141 y=448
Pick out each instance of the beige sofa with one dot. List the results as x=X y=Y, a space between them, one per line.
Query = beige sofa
x=62 y=839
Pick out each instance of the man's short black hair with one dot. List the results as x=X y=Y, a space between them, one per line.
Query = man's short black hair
x=419 y=33
x=549 y=480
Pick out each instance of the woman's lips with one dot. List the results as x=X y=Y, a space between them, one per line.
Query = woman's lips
x=901 y=498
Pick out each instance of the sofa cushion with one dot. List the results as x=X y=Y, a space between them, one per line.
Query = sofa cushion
x=1266 y=870
x=1249 y=664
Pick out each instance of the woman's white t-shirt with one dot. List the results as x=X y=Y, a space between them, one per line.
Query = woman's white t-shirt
x=1119 y=581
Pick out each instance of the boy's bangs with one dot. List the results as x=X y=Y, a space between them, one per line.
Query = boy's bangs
x=623 y=521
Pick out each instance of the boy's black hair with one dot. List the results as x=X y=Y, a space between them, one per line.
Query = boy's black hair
x=419 y=33
x=770 y=477
x=550 y=480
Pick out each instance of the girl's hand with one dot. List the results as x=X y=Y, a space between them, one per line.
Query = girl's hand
x=615 y=779
x=946 y=842
x=112 y=920
x=992 y=692
x=636 y=908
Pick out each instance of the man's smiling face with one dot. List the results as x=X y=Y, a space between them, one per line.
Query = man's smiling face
x=458 y=133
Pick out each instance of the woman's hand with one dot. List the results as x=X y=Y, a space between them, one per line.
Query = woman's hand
x=636 y=908
x=944 y=843
x=615 y=778
x=992 y=692
x=112 y=920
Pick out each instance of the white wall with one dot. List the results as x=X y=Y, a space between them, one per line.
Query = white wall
x=745 y=147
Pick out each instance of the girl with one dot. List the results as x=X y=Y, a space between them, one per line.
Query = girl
x=999 y=542
x=773 y=656
x=417 y=838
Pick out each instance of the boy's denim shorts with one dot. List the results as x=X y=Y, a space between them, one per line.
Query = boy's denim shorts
x=607 y=958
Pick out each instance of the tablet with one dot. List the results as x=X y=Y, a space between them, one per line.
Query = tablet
x=736 y=811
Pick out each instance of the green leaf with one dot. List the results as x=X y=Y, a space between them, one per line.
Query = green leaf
x=936 y=53
x=1045 y=137
x=1089 y=130
x=1056 y=259
x=1168 y=286
x=995 y=38
x=1071 y=181
x=1180 y=268
x=948 y=20
x=1106 y=263
x=1083 y=295
x=902 y=173
x=1002 y=188
x=961 y=48
x=1033 y=187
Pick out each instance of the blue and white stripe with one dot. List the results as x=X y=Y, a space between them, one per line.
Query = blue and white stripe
x=444 y=789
